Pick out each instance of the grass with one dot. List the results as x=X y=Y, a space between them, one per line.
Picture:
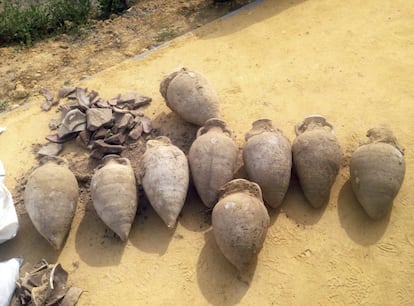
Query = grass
x=24 y=21
x=165 y=34
x=3 y=106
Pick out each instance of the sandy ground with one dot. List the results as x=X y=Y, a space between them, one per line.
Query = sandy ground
x=348 y=60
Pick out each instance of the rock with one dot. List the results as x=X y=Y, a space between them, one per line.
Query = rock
x=19 y=91
x=74 y=121
x=97 y=117
x=54 y=124
x=50 y=149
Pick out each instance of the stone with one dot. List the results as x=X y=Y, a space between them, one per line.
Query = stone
x=54 y=124
x=19 y=91
x=97 y=117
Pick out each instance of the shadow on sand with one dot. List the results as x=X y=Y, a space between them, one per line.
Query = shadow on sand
x=239 y=23
x=219 y=281
x=359 y=227
x=298 y=208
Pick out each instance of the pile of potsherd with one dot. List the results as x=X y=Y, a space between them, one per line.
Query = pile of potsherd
x=103 y=126
x=46 y=285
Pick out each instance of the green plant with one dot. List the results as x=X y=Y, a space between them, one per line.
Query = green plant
x=165 y=34
x=3 y=106
x=23 y=23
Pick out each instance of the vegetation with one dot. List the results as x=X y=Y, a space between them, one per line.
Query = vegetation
x=24 y=23
x=3 y=106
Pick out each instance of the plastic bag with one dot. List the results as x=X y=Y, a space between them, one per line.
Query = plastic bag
x=9 y=274
x=9 y=223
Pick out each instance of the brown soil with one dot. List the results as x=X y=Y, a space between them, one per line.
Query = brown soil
x=67 y=59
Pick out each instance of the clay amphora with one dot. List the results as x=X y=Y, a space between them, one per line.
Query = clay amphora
x=114 y=194
x=165 y=178
x=212 y=159
x=267 y=158
x=377 y=171
x=316 y=158
x=51 y=196
x=240 y=222
x=190 y=95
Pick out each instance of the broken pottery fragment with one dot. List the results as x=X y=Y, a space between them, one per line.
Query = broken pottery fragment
x=146 y=124
x=97 y=117
x=132 y=100
x=136 y=132
x=50 y=101
x=74 y=121
x=56 y=139
x=101 y=148
x=46 y=284
x=50 y=149
x=116 y=139
x=83 y=99
x=101 y=133
x=65 y=91
x=123 y=120
x=83 y=139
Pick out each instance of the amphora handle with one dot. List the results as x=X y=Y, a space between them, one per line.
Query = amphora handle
x=241 y=185
x=212 y=123
x=311 y=122
x=260 y=126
